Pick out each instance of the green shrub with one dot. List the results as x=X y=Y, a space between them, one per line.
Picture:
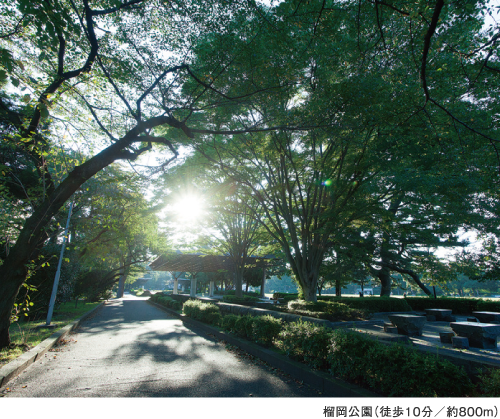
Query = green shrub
x=204 y=312
x=402 y=371
x=249 y=293
x=166 y=301
x=457 y=305
x=286 y=296
x=245 y=300
x=244 y=326
x=489 y=384
x=395 y=370
x=329 y=310
x=265 y=329
x=305 y=342
x=346 y=354
x=488 y=305
x=372 y=304
x=228 y=322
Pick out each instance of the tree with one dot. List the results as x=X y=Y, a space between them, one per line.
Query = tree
x=142 y=77
x=353 y=66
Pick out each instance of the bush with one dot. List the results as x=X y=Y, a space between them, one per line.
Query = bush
x=166 y=301
x=305 y=342
x=245 y=300
x=329 y=310
x=249 y=293
x=244 y=326
x=395 y=370
x=266 y=329
x=285 y=296
x=489 y=385
x=372 y=304
x=204 y=312
x=346 y=354
x=228 y=322
x=457 y=305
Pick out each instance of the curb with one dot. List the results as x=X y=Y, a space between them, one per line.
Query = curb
x=18 y=365
x=324 y=382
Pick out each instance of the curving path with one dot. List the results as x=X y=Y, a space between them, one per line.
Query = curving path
x=131 y=348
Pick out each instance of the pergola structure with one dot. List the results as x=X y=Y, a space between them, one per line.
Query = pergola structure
x=195 y=263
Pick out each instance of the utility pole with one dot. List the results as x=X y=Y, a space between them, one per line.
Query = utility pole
x=58 y=272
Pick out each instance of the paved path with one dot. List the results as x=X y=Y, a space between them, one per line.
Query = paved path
x=131 y=348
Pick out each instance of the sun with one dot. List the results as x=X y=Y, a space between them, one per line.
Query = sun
x=188 y=208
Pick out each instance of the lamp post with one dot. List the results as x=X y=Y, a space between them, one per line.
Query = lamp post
x=58 y=272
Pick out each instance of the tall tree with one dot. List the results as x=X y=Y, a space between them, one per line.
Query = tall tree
x=124 y=75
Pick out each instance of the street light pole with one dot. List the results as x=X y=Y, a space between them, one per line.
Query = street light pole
x=58 y=272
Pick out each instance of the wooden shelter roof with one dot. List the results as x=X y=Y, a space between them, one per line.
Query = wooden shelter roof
x=183 y=262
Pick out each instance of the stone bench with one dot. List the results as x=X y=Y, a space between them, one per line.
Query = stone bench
x=487 y=316
x=408 y=324
x=480 y=335
x=441 y=314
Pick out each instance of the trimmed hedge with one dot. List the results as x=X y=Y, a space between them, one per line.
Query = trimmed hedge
x=166 y=301
x=327 y=310
x=306 y=343
x=204 y=312
x=394 y=370
x=457 y=305
x=246 y=300
x=287 y=297
x=261 y=329
x=233 y=292
x=372 y=304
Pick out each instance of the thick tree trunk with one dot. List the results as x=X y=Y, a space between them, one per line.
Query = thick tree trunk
x=384 y=275
x=338 y=289
x=124 y=275
x=34 y=231
x=10 y=290
x=238 y=283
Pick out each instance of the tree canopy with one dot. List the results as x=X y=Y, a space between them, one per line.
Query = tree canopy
x=346 y=123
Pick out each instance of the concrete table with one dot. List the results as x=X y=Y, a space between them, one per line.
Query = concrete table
x=480 y=335
x=441 y=314
x=408 y=324
x=487 y=316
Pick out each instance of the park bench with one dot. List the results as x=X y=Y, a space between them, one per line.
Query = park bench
x=480 y=335
x=440 y=314
x=487 y=316
x=408 y=324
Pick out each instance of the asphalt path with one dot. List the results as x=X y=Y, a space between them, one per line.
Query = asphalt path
x=130 y=348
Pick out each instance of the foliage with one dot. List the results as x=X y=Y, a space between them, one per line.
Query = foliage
x=489 y=384
x=244 y=300
x=457 y=305
x=395 y=370
x=328 y=310
x=204 y=312
x=26 y=335
x=372 y=304
x=166 y=301
x=243 y=326
x=228 y=322
x=305 y=342
x=39 y=286
x=285 y=296
x=266 y=329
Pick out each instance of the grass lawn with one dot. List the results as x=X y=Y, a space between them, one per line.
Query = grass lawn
x=25 y=332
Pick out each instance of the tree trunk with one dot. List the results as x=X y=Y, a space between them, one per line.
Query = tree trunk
x=11 y=283
x=238 y=283
x=124 y=274
x=338 y=288
x=384 y=275
x=263 y=284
